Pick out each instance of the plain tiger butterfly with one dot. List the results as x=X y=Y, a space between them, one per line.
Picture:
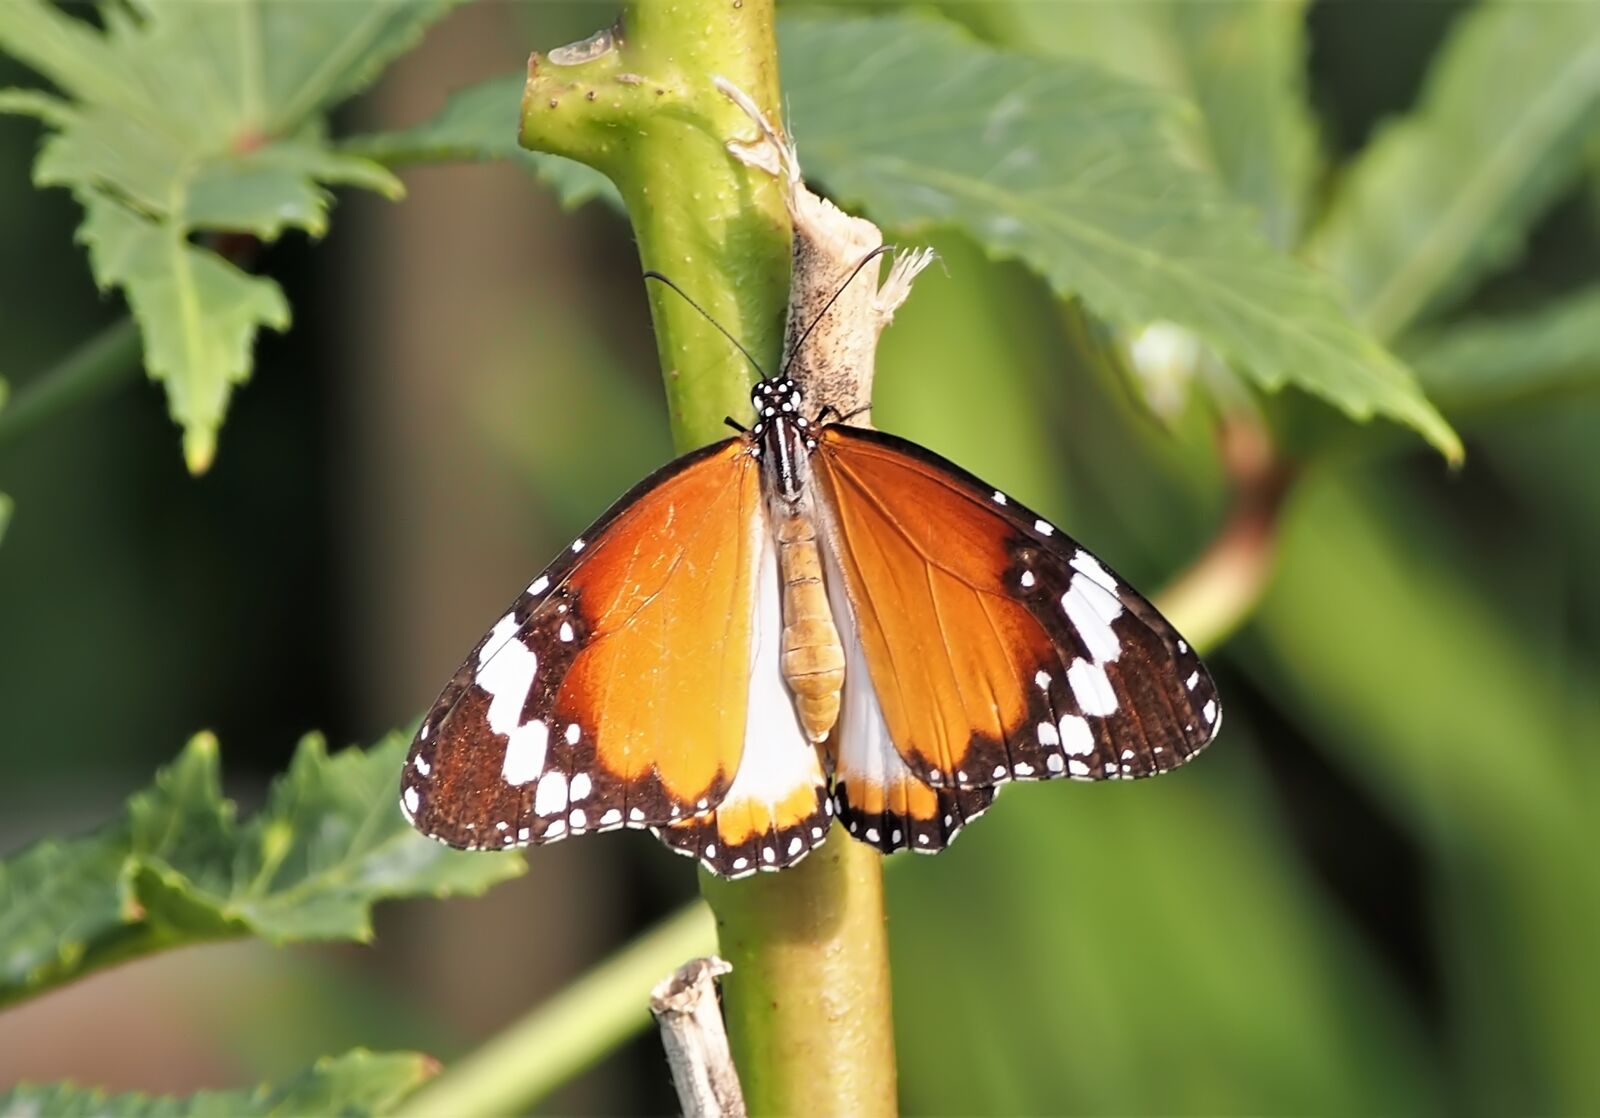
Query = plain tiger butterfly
x=804 y=621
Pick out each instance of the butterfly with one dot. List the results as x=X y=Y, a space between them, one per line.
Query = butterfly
x=807 y=620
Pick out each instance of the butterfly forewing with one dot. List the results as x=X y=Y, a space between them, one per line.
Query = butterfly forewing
x=997 y=648
x=613 y=692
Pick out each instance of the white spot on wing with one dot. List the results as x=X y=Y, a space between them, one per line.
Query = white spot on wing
x=411 y=800
x=1089 y=565
x=506 y=670
x=525 y=751
x=573 y=733
x=1076 y=737
x=1091 y=688
x=503 y=630
x=566 y=631
x=421 y=764
x=1209 y=711
x=1048 y=735
x=1092 y=610
x=1027 y=578
x=551 y=796
x=577 y=546
x=999 y=497
x=1042 y=679
x=1193 y=681
x=1044 y=528
x=539 y=585
x=581 y=786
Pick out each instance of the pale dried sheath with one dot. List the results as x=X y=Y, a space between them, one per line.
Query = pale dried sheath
x=686 y=1010
x=836 y=366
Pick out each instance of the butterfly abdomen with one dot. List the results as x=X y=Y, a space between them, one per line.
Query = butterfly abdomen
x=813 y=658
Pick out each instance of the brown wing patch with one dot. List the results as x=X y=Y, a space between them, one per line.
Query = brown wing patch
x=999 y=649
x=613 y=692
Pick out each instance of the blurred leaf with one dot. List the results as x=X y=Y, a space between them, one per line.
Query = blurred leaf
x=182 y=118
x=481 y=122
x=1150 y=949
x=355 y=1084
x=1241 y=62
x=1076 y=173
x=1483 y=362
x=1454 y=700
x=1446 y=195
x=178 y=868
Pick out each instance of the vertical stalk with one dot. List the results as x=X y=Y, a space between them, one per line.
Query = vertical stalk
x=807 y=1003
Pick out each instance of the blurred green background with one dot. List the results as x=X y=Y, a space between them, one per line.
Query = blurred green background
x=1377 y=893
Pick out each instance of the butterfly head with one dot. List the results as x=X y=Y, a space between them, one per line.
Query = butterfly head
x=776 y=398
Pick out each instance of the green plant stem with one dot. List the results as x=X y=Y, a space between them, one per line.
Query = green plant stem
x=807 y=1003
x=646 y=114
x=569 y=1032
x=96 y=365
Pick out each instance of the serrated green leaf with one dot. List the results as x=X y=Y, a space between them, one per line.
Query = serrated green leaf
x=56 y=898
x=355 y=1084
x=179 y=868
x=1448 y=193
x=1241 y=62
x=481 y=122
x=199 y=314
x=1076 y=173
x=1483 y=362
x=193 y=118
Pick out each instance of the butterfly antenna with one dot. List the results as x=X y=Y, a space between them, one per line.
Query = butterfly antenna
x=754 y=364
x=828 y=306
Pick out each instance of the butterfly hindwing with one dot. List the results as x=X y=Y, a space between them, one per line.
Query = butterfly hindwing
x=777 y=809
x=613 y=692
x=997 y=648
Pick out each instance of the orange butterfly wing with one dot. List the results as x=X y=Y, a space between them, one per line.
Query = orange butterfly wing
x=613 y=690
x=997 y=648
x=622 y=687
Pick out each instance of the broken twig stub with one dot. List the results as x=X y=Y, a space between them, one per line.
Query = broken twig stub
x=690 y=1018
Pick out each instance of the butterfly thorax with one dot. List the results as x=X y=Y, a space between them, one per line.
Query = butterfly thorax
x=812 y=655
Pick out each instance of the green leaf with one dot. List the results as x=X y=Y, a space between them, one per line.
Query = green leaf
x=199 y=314
x=355 y=1084
x=1446 y=195
x=1076 y=173
x=1240 y=62
x=481 y=122
x=181 y=119
x=179 y=868
x=1485 y=361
